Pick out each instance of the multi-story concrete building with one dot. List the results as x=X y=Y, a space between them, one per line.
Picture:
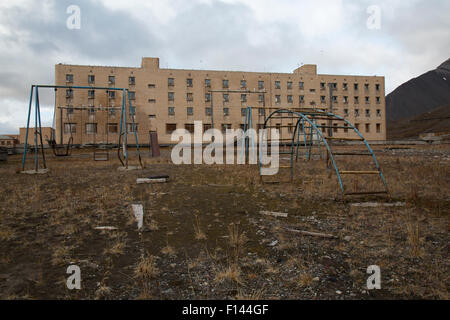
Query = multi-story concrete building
x=167 y=99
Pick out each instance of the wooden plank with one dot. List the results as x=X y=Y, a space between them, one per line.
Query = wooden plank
x=377 y=204
x=313 y=234
x=105 y=228
x=274 y=214
x=148 y=180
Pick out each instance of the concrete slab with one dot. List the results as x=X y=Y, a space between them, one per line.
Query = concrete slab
x=40 y=171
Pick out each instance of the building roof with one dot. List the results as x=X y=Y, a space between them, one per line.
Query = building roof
x=3 y=137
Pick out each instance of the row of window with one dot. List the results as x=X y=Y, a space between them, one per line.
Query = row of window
x=171 y=127
x=226 y=111
x=226 y=84
x=289 y=98
x=261 y=112
x=226 y=97
x=91 y=94
x=91 y=128
x=92 y=110
x=277 y=84
x=91 y=79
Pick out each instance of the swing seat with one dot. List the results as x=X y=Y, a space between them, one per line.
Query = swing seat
x=101 y=155
x=59 y=150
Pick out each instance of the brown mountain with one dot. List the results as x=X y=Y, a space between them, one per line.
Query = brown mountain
x=420 y=95
x=437 y=121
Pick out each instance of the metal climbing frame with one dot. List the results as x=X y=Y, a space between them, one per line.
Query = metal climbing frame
x=248 y=115
x=248 y=135
x=38 y=140
x=307 y=125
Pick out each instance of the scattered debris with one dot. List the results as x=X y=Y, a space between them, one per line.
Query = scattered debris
x=39 y=171
x=153 y=179
x=130 y=168
x=273 y=243
x=219 y=185
x=89 y=264
x=138 y=211
x=105 y=228
x=274 y=214
x=377 y=204
x=313 y=234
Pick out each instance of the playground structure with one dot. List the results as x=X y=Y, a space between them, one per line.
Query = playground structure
x=307 y=133
x=100 y=152
x=308 y=129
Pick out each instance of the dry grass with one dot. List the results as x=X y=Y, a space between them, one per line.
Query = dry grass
x=103 y=292
x=305 y=279
x=6 y=234
x=199 y=234
x=54 y=217
x=229 y=273
x=61 y=255
x=236 y=239
x=145 y=271
x=146 y=268
x=168 y=249
x=414 y=240
x=117 y=248
x=257 y=294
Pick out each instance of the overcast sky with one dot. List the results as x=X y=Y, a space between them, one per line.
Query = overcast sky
x=252 y=35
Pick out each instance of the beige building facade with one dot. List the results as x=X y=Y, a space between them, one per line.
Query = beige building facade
x=47 y=133
x=169 y=99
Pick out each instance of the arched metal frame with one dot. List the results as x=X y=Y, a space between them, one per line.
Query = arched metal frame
x=309 y=118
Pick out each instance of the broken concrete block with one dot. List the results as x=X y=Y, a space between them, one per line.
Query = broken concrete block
x=149 y=180
x=377 y=204
x=138 y=211
x=39 y=171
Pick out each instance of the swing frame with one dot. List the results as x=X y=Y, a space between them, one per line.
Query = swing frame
x=38 y=140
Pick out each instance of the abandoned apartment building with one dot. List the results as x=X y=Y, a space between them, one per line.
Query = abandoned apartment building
x=167 y=99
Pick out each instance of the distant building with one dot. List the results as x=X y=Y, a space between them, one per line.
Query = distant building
x=168 y=99
x=47 y=133
x=8 y=140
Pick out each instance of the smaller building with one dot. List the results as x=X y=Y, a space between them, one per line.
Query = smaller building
x=47 y=133
x=8 y=141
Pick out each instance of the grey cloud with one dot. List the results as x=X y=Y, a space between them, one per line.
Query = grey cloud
x=222 y=35
x=37 y=43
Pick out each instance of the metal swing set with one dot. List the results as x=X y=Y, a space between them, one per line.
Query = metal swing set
x=64 y=150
